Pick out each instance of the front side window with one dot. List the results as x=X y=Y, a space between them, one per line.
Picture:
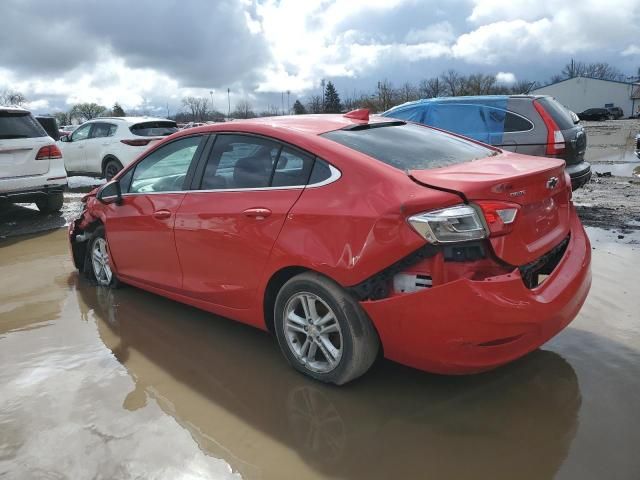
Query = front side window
x=101 y=130
x=81 y=133
x=240 y=161
x=409 y=146
x=166 y=168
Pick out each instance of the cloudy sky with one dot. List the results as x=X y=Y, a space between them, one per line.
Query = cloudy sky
x=149 y=54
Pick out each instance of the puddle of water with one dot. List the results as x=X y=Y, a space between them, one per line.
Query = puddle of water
x=136 y=385
x=617 y=169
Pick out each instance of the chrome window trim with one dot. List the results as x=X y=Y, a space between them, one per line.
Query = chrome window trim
x=335 y=175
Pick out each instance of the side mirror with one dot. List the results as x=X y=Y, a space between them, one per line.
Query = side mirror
x=65 y=138
x=110 y=193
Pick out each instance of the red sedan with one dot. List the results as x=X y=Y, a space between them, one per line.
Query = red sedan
x=348 y=237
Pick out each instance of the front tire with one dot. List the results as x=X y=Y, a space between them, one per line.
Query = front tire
x=111 y=168
x=97 y=262
x=51 y=203
x=322 y=331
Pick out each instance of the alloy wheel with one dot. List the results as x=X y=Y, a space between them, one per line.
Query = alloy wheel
x=312 y=332
x=100 y=262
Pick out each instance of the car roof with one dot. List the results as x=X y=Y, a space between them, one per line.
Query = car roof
x=13 y=108
x=314 y=124
x=131 y=119
x=478 y=99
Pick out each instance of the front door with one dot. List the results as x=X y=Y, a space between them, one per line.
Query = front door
x=73 y=151
x=225 y=231
x=140 y=230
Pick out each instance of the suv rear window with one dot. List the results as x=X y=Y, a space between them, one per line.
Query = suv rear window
x=408 y=146
x=154 y=129
x=19 y=125
x=559 y=114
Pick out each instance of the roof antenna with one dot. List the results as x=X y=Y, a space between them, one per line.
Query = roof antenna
x=359 y=114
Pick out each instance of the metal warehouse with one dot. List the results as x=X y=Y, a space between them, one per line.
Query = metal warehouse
x=581 y=93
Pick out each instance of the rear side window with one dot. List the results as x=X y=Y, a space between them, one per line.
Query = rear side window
x=154 y=129
x=293 y=169
x=409 y=146
x=19 y=125
x=516 y=123
x=559 y=114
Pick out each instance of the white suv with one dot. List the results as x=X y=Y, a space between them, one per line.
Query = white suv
x=31 y=165
x=103 y=146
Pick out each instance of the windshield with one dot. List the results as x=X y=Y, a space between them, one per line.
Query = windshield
x=409 y=147
x=19 y=125
x=154 y=129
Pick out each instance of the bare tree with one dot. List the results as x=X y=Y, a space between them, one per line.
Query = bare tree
x=63 y=118
x=271 y=111
x=385 y=95
x=451 y=80
x=523 y=87
x=407 y=93
x=431 y=88
x=243 y=109
x=86 y=111
x=315 y=104
x=601 y=70
x=12 y=97
x=198 y=107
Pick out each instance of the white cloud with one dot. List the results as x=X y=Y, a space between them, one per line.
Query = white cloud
x=505 y=78
x=631 y=50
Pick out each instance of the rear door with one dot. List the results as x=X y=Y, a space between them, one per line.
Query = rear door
x=140 y=230
x=227 y=226
x=21 y=136
x=74 y=149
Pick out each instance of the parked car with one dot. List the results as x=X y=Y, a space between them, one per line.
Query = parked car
x=67 y=130
x=596 y=114
x=105 y=145
x=344 y=235
x=529 y=124
x=31 y=165
x=50 y=126
x=615 y=112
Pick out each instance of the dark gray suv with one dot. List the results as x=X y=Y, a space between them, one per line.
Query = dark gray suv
x=528 y=124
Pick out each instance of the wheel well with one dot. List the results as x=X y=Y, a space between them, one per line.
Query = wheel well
x=106 y=159
x=274 y=285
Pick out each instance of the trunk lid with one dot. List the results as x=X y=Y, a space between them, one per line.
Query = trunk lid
x=18 y=157
x=537 y=185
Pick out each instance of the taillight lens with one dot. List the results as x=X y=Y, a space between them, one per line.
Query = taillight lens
x=500 y=216
x=555 y=139
x=49 y=152
x=136 y=142
x=454 y=224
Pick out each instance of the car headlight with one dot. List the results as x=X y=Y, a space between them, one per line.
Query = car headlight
x=454 y=224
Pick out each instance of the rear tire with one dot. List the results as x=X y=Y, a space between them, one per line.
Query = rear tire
x=111 y=168
x=322 y=331
x=51 y=203
x=96 y=263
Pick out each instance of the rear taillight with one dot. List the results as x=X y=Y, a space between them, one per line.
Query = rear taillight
x=137 y=142
x=49 y=152
x=555 y=139
x=499 y=216
x=454 y=224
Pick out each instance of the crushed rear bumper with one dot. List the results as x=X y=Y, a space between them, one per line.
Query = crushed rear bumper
x=469 y=326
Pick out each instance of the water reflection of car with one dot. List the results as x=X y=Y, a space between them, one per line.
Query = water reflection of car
x=529 y=124
x=204 y=374
x=343 y=233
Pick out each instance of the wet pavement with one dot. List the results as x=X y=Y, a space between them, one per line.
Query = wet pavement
x=98 y=383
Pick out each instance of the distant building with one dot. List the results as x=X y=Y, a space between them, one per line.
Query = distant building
x=580 y=93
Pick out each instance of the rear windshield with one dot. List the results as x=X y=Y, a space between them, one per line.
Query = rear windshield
x=154 y=129
x=409 y=147
x=560 y=115
x=19 y=125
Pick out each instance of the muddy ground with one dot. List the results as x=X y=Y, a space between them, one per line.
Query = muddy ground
x=611 y=200
x=123 y=384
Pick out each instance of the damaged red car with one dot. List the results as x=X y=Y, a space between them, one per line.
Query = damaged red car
x=348 y=238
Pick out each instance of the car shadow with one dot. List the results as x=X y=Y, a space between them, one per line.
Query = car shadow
x=19 y=219
x=230 y=387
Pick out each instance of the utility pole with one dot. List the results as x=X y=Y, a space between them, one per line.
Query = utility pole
x=282 y=104
x=229 y=100
x=211 y=95
x=323 y=99
x=288 y=104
